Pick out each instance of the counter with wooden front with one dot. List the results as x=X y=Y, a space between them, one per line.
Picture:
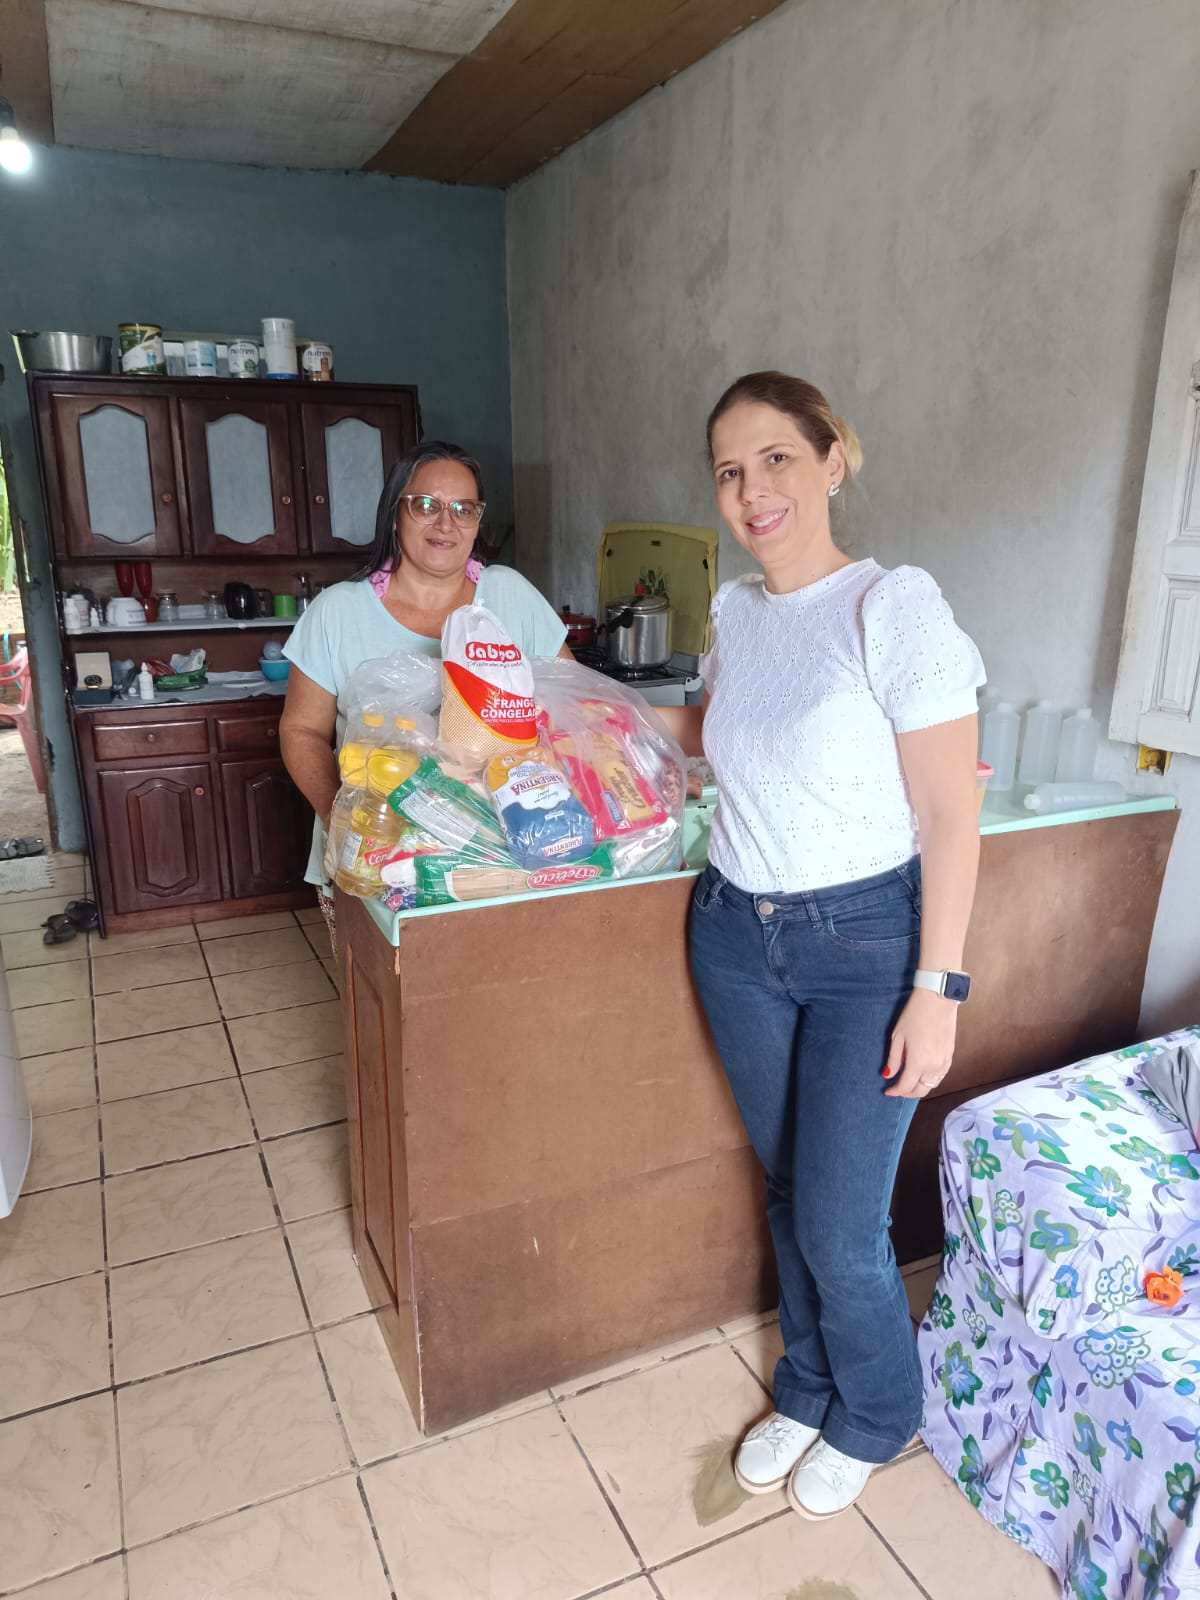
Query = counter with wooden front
x=548 y=1170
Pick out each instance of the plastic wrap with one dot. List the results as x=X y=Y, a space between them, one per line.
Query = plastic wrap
x=506 y=791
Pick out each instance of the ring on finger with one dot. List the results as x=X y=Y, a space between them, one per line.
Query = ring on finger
x=929 y=1083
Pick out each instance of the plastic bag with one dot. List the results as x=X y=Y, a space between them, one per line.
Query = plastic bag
x=585 y=783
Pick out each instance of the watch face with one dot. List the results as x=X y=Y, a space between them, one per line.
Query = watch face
x=957 y=986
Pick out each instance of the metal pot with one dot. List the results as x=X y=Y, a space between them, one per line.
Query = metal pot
x=63 y=352
x=638 y=629
x=581 y=629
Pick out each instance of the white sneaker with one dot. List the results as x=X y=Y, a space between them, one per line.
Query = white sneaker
x=827 y=1482
x=770 y=1451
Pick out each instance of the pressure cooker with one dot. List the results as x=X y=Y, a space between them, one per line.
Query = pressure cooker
x=638 y=630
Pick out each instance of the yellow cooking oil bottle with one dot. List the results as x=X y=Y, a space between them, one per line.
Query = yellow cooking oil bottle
x=373 y=829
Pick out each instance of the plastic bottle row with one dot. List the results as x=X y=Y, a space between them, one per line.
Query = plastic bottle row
x=1053 y=750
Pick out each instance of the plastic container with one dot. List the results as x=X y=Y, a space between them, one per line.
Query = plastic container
x=1077 y=748
x=279 y=340
x=200 y=357
x=983 y=776
x=1049 y=797
x=1039 y=751
x=1001 y=730
x=276 y=671
x=145 y=683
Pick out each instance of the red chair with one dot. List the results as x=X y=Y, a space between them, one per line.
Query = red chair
x=17 y=671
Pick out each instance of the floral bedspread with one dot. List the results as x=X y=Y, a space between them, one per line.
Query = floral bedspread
x=1064 y=1404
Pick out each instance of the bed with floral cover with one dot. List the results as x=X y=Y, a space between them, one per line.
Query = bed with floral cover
x=1064 y=1403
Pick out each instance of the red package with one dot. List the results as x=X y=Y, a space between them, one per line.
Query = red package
x=605 y=774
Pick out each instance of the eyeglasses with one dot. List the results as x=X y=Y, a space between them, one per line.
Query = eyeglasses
x=428 y=508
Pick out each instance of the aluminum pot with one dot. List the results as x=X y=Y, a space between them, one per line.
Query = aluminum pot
x=63 y=352
x=638 y=629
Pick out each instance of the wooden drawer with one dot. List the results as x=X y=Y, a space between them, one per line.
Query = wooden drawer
x=150 y=739
x=248 y=733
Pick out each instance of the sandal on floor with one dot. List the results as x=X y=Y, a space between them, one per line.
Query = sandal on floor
x=83 y=913
x=15 y=849
x=59 y=930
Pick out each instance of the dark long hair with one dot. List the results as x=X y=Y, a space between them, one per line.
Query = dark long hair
x=387 y=545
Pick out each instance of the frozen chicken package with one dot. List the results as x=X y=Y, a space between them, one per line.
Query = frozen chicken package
x=489 y=775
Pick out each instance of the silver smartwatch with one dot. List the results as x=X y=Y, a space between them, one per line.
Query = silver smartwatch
x=954 y=986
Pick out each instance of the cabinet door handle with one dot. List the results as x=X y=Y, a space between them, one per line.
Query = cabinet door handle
x=320 y=499
x=166 y=497
x=151 y=737
x=199 y=789
x=272 y=732
x=285 y=499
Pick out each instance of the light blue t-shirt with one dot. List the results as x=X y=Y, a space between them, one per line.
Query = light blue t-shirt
x=348 y=624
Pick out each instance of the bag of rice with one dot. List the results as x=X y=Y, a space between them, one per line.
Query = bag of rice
x=487 y=688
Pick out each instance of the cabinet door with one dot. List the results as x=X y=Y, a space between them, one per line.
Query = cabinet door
x=349 y=449
x=238 y=460
x=269 y=827
x=160 y=834
x=111 y=488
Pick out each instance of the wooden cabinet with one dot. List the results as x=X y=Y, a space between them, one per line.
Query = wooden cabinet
x=160 y=836
x=349 y=449
x=178 y=839
x=240 y=476
x=110 y=472
x=210 y=467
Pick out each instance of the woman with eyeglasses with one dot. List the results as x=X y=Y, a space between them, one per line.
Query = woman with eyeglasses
x=420 y=570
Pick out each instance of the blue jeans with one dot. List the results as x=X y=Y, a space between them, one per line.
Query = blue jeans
x=802 y=992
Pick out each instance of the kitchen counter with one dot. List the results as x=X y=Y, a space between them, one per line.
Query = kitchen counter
x=212 y=694
x=548 y=1172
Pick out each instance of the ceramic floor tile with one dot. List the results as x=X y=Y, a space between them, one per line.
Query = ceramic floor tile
x=66 y=1149
x=119 y=944
x=247 y=952
x=314 y=1545
x=155 y=1010
x=323 y=1250
x=175 y=1124
x=45 y=1029
x=510 y=1512
x=761 y=1348
x=788 y=1557
x=638 y=1363
x=369 y=1395
x=662 y=1444
x=317 y=935
x=103 y=1581
x=117 y=974
x=177 y=1309
x=287 y=1099
x=43 y=986
x=919 y=1288
x=734 y=1330
x=49 y=1236
x=229 y=927
x=310 y=1172
x=53 y=1344
x=62 y=1081
x=188 y=1203
x=200 y=1443
x=27 y=950
x=635 y=1589
x=164 y=1061
x=302 y=1033
x=23 y=913
x=60 y=1505
x=301 y=983
x=518 y=1408
x=308 y=914
x=924 y=1516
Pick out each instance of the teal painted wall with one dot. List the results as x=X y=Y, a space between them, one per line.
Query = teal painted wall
x=405 y=279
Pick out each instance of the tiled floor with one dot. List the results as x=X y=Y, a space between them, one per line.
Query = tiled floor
x=195 y=1401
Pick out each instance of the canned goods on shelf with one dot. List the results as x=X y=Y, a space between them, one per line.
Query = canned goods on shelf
x=142 y=348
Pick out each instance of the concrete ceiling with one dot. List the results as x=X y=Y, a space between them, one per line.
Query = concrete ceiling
x=474 y=91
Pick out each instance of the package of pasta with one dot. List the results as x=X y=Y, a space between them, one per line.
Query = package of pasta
x=487 y=688
x=442 y=879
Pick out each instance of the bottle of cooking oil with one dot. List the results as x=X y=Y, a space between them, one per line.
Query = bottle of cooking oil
x=373 y=830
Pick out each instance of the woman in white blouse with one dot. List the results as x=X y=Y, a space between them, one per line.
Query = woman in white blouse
x=827 y=933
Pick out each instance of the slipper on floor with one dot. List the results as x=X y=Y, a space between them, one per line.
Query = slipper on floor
x=15 y=849
x=59 y=930
x=83 y=913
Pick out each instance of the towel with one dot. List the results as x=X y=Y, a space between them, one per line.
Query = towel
x=1174 y=1075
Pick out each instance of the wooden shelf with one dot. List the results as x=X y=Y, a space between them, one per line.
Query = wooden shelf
x=230 y=625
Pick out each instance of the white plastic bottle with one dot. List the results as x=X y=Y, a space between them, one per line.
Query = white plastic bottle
x=145 y=683
x=1074 y=796
x=1001 y=729
x=1039 y=752
x=1077 y=748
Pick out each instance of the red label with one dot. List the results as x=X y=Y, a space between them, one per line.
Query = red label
x=497 y=654
x=560 y=877
x=512 y=716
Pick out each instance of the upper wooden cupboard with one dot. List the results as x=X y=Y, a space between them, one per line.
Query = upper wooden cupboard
x=135 y=468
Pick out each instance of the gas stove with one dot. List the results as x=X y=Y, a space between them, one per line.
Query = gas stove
x=668 y=685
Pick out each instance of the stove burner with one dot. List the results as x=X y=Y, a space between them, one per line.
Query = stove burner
x=593 y=656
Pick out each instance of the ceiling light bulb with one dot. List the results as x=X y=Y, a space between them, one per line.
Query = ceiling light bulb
x=15 y=154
